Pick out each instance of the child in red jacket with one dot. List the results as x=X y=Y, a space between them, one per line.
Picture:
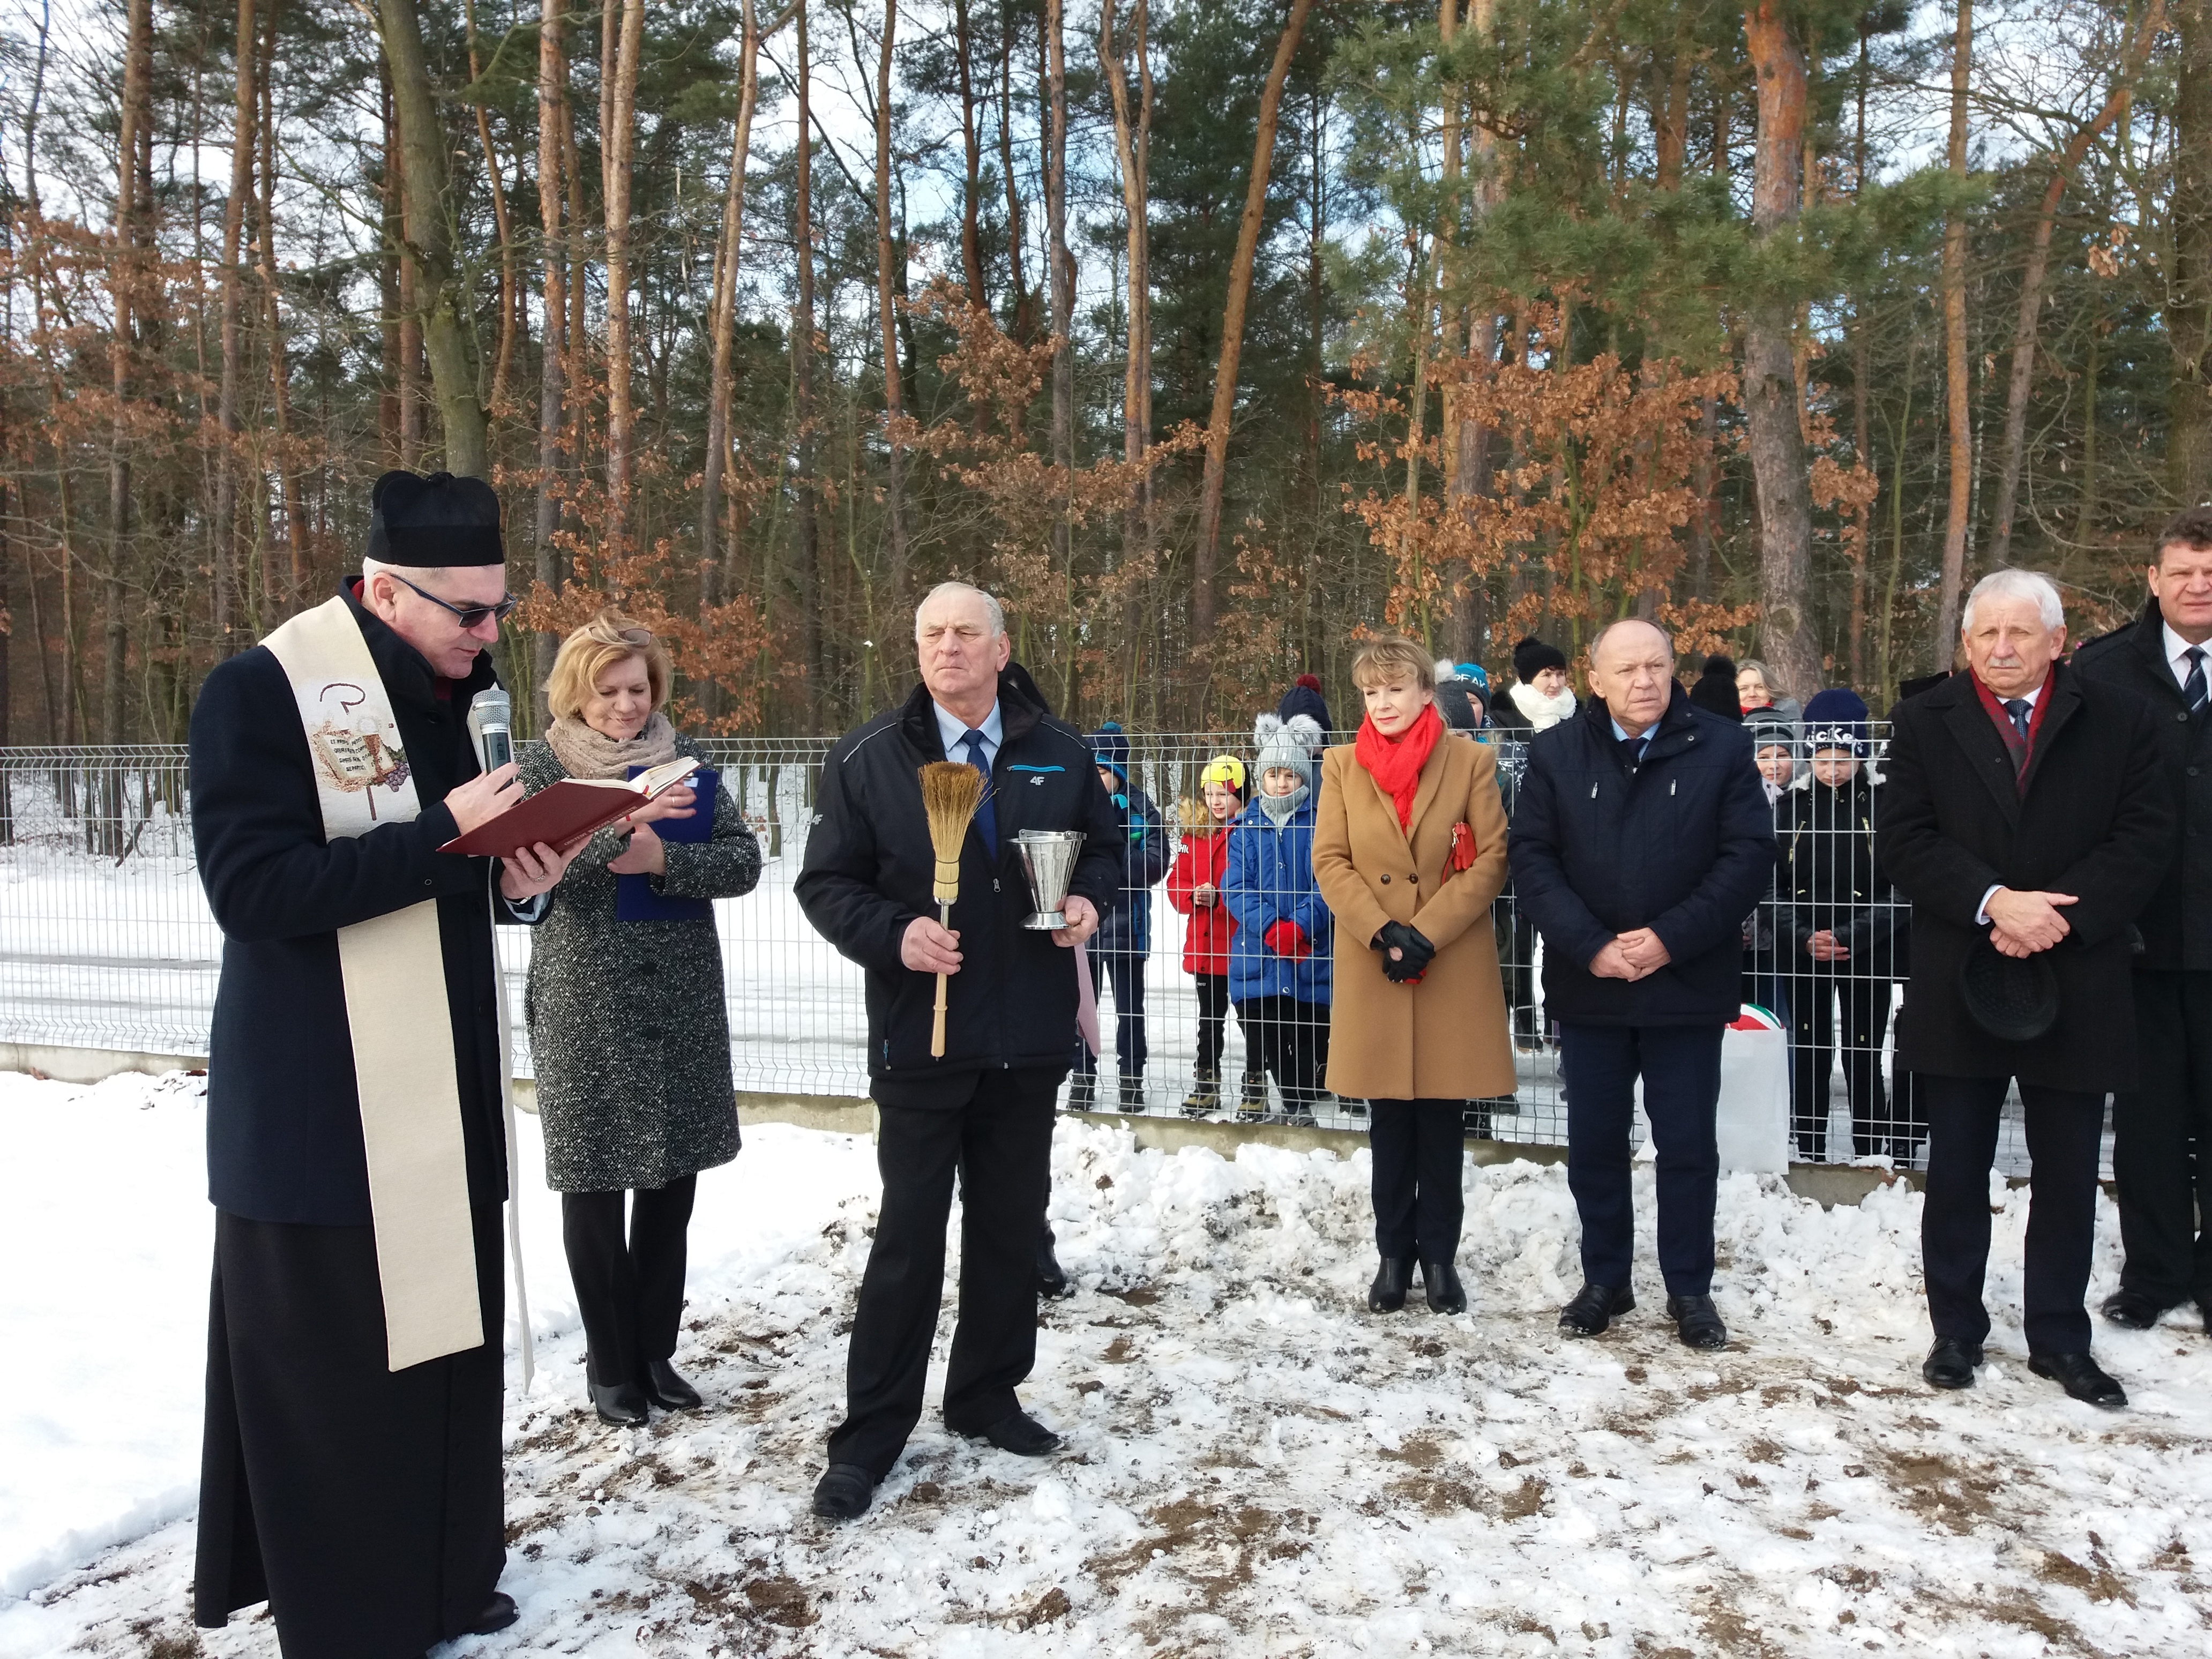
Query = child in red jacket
x=1194 y=889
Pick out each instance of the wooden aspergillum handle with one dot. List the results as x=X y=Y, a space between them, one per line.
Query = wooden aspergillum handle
x=936 y=1027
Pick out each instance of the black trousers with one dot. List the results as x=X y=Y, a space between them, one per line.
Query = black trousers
x=1127 y=970
x=630 y=1291
x=1680 y=1065
x=1292 y=1037
x=1418 y=1147
x=2162 y=1142
x=2064 y=1131
x=363 y=1504
x=996 y=1128
x=1213 y=1025
x=1815 y=988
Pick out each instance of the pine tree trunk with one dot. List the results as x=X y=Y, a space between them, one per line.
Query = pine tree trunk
x=1063 y=316
x=1779 y=465
x=123 y=286
x=283 y=586
x=229 y=624
x=713 y=559
x=1232 y=327
x=617 y=144
x=510 y=300
x=1021 y=320
x=2189 y=297
x=552 y=120
x=971 y=191
x=888 y=253
x=428 y=213
x=805 y=529
x=1132 y=141
x=1957 y=384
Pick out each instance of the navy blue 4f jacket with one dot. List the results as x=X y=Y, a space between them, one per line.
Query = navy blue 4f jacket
x=868 y=872
x=1682 y=843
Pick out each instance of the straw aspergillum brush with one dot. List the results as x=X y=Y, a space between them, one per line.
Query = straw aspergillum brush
x=950 y=793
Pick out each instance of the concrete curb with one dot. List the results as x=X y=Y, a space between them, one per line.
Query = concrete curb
x=1825 y=1184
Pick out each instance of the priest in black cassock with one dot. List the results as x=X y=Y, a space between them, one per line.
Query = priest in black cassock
x=357 y=1155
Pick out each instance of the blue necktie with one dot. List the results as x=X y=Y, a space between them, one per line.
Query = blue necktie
x=2023 y=714
x=2192 y=689
x=987 y=815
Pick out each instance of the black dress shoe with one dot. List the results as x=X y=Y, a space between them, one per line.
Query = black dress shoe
x=1950 y=1364
x=1052 y=1278
x=1440 y=1282
x=1020 y=1434
x=1392 y=1281
x=843 y=1492
x=621 y=1404
x=665 y=1388
x=1696 y=1321
x=2080 y=1376
x=1595 y=1306
x=499 y=1612
x=2131 y=1308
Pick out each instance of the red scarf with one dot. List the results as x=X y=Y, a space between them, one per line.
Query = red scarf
x=1395 y=763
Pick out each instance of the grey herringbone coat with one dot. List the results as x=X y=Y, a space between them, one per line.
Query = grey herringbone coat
x=628 y=1026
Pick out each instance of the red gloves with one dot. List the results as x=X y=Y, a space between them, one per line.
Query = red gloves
x=1462 y=848
x=1287 y=938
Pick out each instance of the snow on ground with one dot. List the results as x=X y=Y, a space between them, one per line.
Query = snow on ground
x=1255 y=1465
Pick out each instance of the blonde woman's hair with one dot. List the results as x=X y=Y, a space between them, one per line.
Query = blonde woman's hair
x=608 y=638
x=1381 y=661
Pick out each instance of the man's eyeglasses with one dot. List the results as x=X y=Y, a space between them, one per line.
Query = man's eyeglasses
x=471 y=616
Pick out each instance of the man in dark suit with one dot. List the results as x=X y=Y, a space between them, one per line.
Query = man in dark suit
x=2162 y=1127
x=1641 y=842
x=2025 y=805
x=985 y=1109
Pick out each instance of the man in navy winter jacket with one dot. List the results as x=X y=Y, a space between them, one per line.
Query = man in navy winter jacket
x=1641 y=842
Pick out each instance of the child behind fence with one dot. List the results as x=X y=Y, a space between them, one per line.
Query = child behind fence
x=1279 y=955
x=1194 y=888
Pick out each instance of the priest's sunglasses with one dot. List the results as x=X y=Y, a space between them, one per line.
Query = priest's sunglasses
x=470 y=617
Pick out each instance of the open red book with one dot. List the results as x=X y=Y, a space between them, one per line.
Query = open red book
x=567 y=811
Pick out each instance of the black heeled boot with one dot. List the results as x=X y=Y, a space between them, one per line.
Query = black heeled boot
x=1393 y=1279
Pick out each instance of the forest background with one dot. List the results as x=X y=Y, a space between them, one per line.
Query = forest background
x=1209 y=333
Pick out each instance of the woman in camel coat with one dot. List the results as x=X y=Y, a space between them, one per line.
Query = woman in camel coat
x=1409 y=851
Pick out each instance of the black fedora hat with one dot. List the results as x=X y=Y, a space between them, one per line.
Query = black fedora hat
x=2013 y=998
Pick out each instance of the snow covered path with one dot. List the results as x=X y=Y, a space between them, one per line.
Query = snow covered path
x=1255 y=1465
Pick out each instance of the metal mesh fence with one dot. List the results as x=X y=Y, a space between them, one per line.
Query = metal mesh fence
x=105 y=942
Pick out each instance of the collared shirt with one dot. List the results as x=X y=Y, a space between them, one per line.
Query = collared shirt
x=1982 y=915
x=2176 y=650
x=954 y=731
x=1643 y=737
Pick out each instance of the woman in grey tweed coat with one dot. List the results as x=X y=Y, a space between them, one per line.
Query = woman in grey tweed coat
x=628 y=1025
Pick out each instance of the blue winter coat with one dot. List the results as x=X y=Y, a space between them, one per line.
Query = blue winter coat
x=1270 y=878
x=1127 y=928
x=1682 y=843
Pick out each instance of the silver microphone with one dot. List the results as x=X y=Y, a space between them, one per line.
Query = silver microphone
x=488 y=714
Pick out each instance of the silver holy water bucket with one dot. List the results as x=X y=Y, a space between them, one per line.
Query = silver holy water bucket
x=1049 y=860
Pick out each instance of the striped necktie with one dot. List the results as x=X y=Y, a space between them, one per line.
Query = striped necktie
x=2192 y=689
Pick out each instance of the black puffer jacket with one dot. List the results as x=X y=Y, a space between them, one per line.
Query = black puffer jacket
x=868 y=871
x=1832 y=879
x=1682 y=843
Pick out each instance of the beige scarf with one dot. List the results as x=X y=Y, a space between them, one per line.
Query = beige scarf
x=411 y=1103
x=585 y=752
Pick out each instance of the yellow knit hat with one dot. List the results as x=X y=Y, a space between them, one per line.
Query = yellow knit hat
x=1223 y=769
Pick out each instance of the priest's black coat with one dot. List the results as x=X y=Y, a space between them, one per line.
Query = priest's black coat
x=2096 y=820
x=284 y=1141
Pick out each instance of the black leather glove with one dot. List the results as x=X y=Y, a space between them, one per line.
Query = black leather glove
x=1416 y=953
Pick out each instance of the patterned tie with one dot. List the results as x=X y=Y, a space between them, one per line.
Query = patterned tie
x=987 y=816
x=2192 y=689
x=2022 y=712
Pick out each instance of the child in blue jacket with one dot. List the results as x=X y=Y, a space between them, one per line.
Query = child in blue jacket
x=1279 y=955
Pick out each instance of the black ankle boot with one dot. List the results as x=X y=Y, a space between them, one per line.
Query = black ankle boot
x=1440 y=1283
x=1392 y=1281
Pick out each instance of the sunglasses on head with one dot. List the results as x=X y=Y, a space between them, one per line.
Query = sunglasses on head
x=468 y=616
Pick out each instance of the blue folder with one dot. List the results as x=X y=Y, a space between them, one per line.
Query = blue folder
x=635 y=899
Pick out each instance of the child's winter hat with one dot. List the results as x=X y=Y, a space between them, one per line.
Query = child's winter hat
x=1770 y=730
x=1223 y=769
x=1304 y=698
x=1836 y=718
x=1715 y=691
x=1109 y=748
x=1287 y=744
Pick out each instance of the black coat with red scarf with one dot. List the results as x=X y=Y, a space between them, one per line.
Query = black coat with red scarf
x=2092 y=815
